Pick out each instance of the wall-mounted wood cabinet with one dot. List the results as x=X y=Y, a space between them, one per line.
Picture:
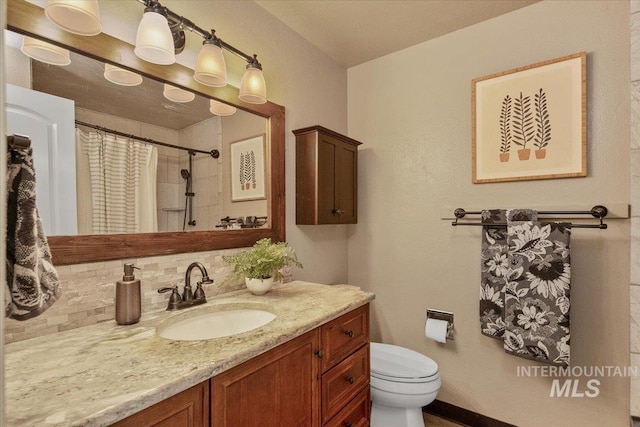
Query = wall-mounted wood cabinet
x=326 y=177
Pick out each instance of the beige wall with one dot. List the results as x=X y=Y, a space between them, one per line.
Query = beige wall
x=240 y=126
x=313 y=90
x=311 y=87
x=416 y=162
x=17 y=68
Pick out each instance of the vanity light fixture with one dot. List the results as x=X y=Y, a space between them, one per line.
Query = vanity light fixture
x=176 y=94
x=210 y=68
x=253 y=88
x=76 y=16
x=45 y=52
x=121 y=76
x=220 y=108
x=154 y=40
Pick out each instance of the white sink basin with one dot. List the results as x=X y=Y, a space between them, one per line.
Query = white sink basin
x=215 y=324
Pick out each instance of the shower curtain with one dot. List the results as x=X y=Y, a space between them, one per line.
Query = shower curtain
x=116 y=184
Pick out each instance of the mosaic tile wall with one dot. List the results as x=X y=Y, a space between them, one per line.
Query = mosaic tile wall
x=88 y=291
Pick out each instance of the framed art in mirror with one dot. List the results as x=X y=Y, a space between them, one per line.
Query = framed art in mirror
x=247 y=169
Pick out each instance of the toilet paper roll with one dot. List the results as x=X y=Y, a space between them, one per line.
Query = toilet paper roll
x=436 y=329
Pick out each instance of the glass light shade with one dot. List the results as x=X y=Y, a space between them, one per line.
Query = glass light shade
x=45 y=52
x=75 y=16
x=220 y=108
x=120 y=76
x=253 y=88
x=211 y=69
x=154 y=42
x=176 y=94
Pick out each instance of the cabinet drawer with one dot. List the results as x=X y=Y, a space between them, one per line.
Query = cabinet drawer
x=344 y=381
x=355 y=414
x=343 y=335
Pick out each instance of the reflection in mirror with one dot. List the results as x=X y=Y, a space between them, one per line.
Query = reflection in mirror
x=123 y=184
x=28 y=19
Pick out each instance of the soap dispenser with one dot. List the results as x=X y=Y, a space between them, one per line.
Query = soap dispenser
x=128 y=301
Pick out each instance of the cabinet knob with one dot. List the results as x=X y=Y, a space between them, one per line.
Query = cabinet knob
x=349 y=425
x=318 y=353
x=349 y=333
x=337 y=212
x=350 y=380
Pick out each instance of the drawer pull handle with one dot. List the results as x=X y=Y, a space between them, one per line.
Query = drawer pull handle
x=318 y=353
x=349 y=424
x=337 y=212
x=350 y=380
x=349 y=333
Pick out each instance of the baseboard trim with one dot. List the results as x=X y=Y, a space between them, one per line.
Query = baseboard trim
x=462 y=416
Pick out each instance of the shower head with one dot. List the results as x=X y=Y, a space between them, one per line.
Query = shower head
x=185 y=173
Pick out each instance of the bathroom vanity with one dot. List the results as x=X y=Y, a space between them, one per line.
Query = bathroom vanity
x=309 y=366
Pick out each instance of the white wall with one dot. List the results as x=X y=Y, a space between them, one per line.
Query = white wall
x=18 y=67
x=415 y=162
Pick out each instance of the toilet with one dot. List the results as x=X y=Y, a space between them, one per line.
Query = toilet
x=402 y=382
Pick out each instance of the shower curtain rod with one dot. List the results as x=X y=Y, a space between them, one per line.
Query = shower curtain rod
x=598 y=211
x=213 y=153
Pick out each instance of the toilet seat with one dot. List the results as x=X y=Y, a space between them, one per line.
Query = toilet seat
x=399 y=364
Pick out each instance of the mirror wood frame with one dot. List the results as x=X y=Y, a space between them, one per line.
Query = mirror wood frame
x=27 y=19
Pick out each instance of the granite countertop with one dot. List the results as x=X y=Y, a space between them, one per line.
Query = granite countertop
x=99 y=374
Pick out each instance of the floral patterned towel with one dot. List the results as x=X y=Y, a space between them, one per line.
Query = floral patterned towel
x=31 y=277
x=537 y=291
x=495 y=267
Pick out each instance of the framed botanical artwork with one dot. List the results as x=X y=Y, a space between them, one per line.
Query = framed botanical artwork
x=530 y=123
x=247 y=169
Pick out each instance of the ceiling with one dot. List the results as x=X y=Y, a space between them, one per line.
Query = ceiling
x=349 y=31
x=355 y=31
x=83 y=81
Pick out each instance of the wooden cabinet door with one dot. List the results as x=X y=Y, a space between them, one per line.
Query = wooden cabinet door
x=337 y=181
x=328 y=152
x=277 y=389
x=187 y=409
x=326 y=177
x=346 y=191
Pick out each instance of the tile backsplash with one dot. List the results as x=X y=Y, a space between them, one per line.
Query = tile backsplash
x=88 y=291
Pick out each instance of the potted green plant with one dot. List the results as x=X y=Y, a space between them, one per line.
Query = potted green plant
x=261 y=264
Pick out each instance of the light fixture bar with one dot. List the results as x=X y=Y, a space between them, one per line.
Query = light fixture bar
x=181 y=21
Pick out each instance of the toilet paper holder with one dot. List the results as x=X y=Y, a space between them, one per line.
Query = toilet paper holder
x=447 y=316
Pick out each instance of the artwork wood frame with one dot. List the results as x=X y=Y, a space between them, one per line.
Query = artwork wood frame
x=247 y=169
x=541 y=108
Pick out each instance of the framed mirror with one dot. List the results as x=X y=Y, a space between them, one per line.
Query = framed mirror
x=27 y=19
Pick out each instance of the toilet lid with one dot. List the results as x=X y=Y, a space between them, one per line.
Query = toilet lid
x=392 y=361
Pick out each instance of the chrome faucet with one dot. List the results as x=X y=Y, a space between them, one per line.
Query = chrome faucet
x=188 y=298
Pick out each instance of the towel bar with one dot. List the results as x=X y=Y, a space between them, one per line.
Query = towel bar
x=597 y=211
